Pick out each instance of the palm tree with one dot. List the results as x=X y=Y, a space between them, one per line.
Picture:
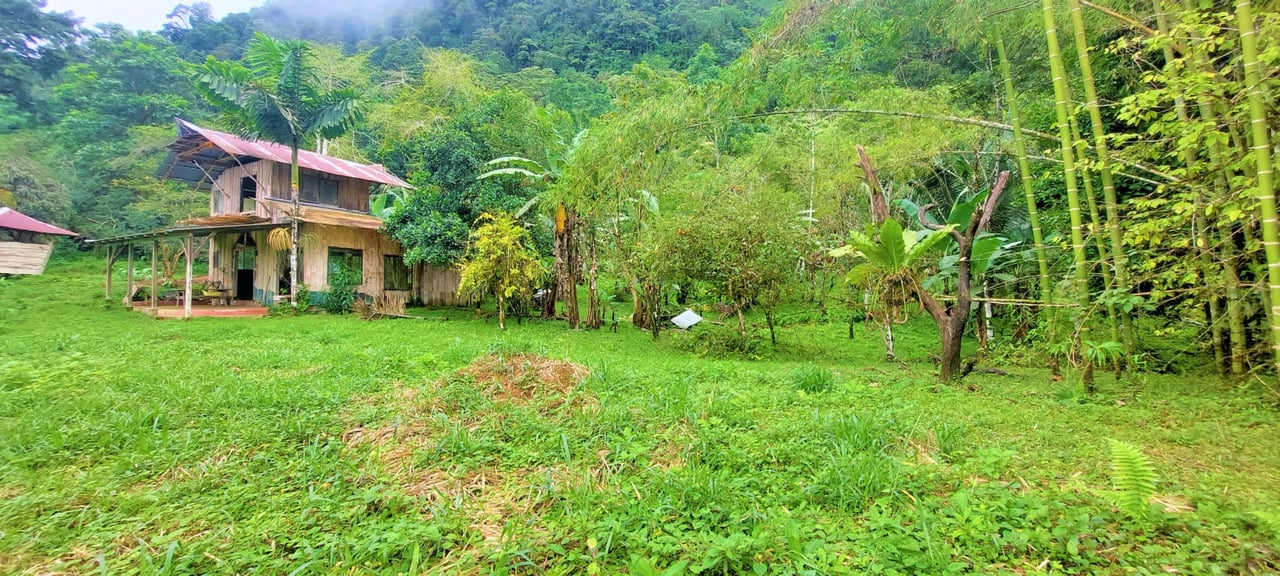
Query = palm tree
x=275 y=94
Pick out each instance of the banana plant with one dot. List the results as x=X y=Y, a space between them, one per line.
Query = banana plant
x=566 y=263
x=387 y=201
x=891 y=271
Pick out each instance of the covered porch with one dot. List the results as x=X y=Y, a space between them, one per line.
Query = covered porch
x=177 y=309
x=192 y=298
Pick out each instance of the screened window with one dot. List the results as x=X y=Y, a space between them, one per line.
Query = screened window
x=318 y=190
x=395 y=274
x=352 y=259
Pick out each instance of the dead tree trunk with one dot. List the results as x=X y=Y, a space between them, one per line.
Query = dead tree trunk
x=952 y=319
x=595 y=315
x=567 y=264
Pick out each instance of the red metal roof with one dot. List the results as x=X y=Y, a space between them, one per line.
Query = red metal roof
x=265 y=150
x=14 y=220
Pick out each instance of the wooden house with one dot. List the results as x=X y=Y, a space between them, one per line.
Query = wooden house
x=25 y=243
x=248 y=187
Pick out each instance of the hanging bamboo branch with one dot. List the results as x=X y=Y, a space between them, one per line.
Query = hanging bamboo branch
x=1166 y=177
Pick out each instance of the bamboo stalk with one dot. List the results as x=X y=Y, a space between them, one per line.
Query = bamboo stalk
x=1062 y=107
x=1024 y=170
x=1118 y=256
x=1261 y=146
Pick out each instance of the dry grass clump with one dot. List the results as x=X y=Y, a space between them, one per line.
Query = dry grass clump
x=523 y=377
x=518 y=378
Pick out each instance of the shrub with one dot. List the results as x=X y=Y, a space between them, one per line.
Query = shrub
x=720 y=342
x=341 y=294
x=813 y=379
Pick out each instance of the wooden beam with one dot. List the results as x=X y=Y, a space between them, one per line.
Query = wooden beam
x=111 y=259
x=213 y=182
x=187 y=247
x=128 y=293
x=155 y=272
x=193 y=151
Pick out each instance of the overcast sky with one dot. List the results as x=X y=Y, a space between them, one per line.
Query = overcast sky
x=139 y=14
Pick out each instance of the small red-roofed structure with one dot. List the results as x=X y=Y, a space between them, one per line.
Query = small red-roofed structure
x=25 y=243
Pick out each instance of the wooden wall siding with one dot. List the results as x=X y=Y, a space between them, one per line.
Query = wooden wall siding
x=23 y=257
x=227 y=187
x=266 y=272
x=222 y=259
x=438 y=286
x=374 y=246
x=273 y=182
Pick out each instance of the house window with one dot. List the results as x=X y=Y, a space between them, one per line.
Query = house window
x=353 y=259
x=248 y=195
x=318 y=190
x=395 y=274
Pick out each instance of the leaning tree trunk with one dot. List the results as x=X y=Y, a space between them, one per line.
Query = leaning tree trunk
x=1266 y=193
x=1024 y=170
x=1118 y=256
x=294 y=223
x=1062 y=107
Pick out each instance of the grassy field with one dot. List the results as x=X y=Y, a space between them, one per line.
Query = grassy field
x=331 y=445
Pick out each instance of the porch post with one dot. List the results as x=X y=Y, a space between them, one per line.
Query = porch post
x=128 y=293
x=111 y=259
x=187 y=246
x=155 y=272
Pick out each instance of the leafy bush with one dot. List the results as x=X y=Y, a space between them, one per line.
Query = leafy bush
x=341 y=295
x=813 y=379
x=720 y=342
x=286 y=308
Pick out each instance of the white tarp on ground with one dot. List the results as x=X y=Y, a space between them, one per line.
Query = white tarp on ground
x=686 y=319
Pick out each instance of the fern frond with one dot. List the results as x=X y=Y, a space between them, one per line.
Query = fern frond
x=1134 y=479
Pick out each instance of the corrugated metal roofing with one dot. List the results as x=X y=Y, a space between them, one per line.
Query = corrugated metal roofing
x=191 y=139
x=14 y=220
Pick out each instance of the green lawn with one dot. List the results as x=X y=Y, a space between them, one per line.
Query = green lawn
x=325 y=444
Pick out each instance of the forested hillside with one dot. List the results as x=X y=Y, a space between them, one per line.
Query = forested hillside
x=84 y=112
